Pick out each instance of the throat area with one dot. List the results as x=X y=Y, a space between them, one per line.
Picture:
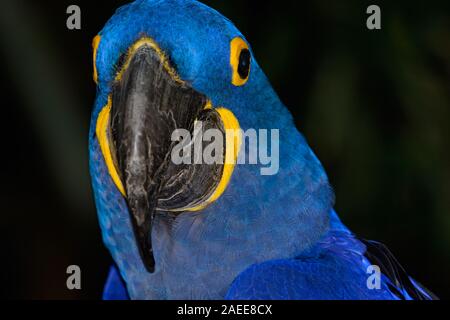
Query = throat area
x=201 y=255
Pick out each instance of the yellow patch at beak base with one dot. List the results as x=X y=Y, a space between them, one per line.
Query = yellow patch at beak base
x=233 y=145
x=102 y=136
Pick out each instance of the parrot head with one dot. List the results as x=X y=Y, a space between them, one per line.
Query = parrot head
x=187 y=230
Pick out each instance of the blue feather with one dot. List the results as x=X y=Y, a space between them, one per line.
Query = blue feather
x=115 y=288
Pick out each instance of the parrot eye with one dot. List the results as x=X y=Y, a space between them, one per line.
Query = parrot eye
x=244 y=64
x=240 y=61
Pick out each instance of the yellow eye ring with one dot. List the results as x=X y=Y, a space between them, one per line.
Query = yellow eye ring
x=95 y=43
x=240 y=61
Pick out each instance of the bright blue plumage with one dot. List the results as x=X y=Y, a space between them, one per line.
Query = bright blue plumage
x=335 y=268
x=267 y=236
x=115 y=288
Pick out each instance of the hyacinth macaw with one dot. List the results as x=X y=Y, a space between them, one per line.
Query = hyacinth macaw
x=212 y=231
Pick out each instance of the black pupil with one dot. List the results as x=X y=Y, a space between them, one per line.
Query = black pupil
x=244 y=63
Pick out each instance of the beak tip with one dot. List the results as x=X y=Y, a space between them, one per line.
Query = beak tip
x=150 y=266
x=143 y=237
x=148 y=258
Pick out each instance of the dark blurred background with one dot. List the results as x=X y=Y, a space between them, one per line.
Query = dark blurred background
x=374 y=106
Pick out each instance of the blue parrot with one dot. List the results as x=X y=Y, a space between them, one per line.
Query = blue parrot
x=218 y=231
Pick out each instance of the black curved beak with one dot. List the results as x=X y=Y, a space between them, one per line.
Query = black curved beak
x=148 y=104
